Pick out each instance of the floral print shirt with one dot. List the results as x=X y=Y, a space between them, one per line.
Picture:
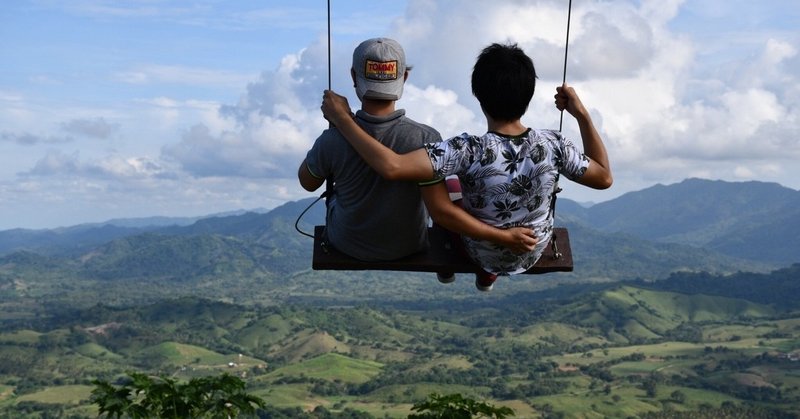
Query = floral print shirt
x=508 y=181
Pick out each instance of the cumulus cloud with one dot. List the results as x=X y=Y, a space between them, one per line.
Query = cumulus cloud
x=605 y=48
x=439 y=108
x=55 y=163
x=204 y=154
x=97 y=128
x=28 y=139
x=93 y=128
x=737 y=122
x=275 y=122
x=111 y=168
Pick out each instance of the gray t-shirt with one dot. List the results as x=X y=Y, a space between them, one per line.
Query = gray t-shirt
x=370 y=218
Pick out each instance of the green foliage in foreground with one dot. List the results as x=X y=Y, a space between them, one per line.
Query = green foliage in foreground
x=163 y=397
x=455 y=406
x=224 y=396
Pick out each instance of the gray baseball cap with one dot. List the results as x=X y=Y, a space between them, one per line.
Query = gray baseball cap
x=380 y=67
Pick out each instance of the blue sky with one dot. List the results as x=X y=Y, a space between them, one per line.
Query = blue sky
x=123 y=108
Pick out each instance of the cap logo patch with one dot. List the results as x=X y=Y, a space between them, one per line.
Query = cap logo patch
x=381 y=70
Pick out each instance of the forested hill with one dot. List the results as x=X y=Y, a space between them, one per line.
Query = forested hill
x=696 y=225
x=750 y=220
x=780 y=288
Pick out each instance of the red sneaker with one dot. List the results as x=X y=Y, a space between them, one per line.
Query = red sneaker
x=484 y=281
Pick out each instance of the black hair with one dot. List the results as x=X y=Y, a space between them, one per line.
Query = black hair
x=503 y=81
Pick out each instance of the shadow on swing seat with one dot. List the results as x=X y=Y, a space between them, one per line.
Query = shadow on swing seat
x=442 y=256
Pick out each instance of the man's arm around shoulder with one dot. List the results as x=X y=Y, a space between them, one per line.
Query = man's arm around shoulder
x=414 y=165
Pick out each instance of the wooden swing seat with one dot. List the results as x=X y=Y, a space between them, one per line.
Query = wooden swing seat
x=442 y=256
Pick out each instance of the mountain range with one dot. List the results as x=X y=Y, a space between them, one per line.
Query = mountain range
x=694 y=225
x=748 y=220
x=664 y=311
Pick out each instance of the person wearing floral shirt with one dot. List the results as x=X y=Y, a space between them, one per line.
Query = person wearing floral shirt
x=508 y=174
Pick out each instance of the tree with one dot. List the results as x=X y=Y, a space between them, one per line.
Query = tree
x=678 y=396
x=455 y=406
x=649 y=386
x=163 y=397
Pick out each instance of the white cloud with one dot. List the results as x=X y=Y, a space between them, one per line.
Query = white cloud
x=205 y=155
x=605 y=48
x=113 y=168
x=56 y=163
x=27 y=139
x=176 y=74
x=93 y=128
x=168 y=114
x=440 y=109
x=10 y=97
x=270 y=128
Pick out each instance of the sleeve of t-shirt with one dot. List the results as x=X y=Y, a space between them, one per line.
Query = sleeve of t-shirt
x=431 y=136
x=448 y=157
x=573 y=162
x=318 y=166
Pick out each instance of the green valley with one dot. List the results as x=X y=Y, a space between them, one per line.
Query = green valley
x=611 y=351
x=671 y=312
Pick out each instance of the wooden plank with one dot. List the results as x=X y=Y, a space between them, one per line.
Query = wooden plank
x=442 y=256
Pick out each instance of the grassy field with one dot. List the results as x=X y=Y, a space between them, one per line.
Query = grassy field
x=182 y=354
x=93 y=350
x=330 y=367
x=382 y=361
x=6 y=392
x=68 y=395
x=449 y=362
x=20 y=337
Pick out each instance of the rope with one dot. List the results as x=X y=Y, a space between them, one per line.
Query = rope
x=566 y=52
x=329 y=44
x=556 y=188
x=329 y=181
x=296 y=222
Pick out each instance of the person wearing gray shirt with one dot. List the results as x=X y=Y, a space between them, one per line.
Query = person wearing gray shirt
x=370 y=218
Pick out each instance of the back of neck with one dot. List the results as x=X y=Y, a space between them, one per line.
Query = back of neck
x=510 y=128
x=378 y=107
